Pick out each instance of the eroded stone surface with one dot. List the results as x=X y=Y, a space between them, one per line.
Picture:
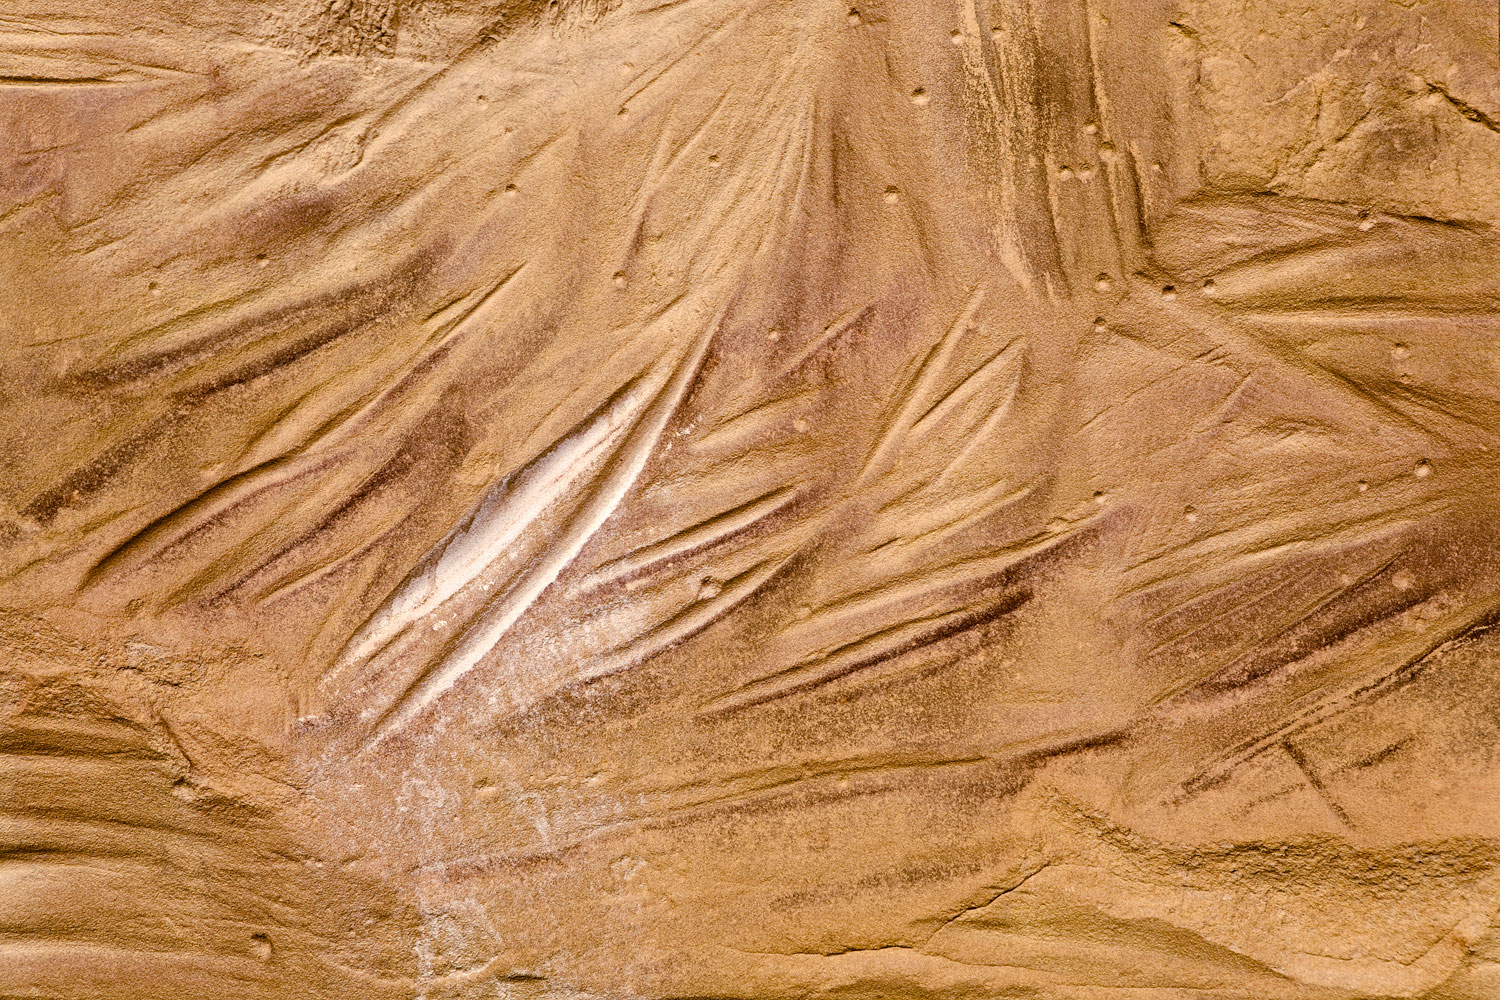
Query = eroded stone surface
x=988 y=498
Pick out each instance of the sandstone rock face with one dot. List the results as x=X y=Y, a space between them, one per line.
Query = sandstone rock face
x=665 y=499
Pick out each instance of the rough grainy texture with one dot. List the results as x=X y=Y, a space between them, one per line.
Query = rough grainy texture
x=709 y=499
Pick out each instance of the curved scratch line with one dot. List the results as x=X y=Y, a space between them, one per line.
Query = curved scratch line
x=482 y=636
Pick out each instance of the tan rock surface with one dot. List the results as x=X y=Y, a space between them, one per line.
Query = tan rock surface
x=744 y=499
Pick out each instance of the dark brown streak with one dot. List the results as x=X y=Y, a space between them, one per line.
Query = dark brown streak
x=1008 y=604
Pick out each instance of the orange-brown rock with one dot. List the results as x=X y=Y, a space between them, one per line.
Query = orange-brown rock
x=665 y=499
